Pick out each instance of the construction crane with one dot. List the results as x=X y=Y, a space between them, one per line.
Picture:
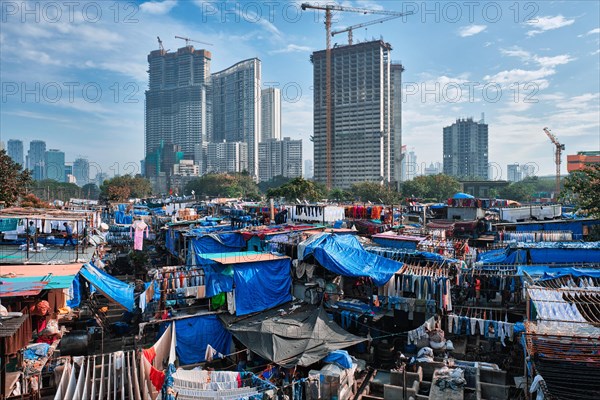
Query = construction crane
x=160 y=45
x=329 y=8
x=557 y=156
x=188 y=40
x=377 y=21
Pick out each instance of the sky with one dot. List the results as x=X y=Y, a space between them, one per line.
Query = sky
x=74 y=73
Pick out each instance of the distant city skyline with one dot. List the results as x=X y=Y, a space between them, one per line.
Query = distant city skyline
x=544 y=71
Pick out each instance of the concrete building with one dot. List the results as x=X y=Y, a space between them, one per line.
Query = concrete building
x=69 y=177
x=15 y=151
x=410 y=167
x=513 y=173
x=270 y=114
x=466 y=149
x=81 y=171
x=35 y=159
x=186 y=168
x=54 y=161
x=581 y=160
x=361 y=120
x=396 y=70
x=177 y=104
x=100 y=178
x=236 y=102
x=279 y=158
x=433 y=169
x=308 y=169
x=226 y=157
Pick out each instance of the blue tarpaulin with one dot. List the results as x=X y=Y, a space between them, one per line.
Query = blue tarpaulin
x=74 y=293
x=462 y=196
x=506 y=255
x=218 y=243
x=171 y=238
x=194 y=334
x=548 y=272
x=339 y=357
x=114 y=289
x=122 y=218
x=344 y=255
x=544 y=253
x=262 y=285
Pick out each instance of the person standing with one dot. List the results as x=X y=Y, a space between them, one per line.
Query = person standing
x=68 y=235
x=32 y=235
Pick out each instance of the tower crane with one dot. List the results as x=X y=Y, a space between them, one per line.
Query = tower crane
x=188 y=40
x=377 y=21
x=329 y=8
x=160 y=44
x=557 y=156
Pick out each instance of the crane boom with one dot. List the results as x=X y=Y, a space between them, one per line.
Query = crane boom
x=335 y=7
x=188 y=40
x=557 y=156
x=377 y=21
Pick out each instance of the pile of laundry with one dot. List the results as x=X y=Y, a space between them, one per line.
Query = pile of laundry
x=452 y=379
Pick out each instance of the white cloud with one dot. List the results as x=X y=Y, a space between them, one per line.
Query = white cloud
x=593 y=32
x=593 y=53
x=548 y=23
x=291 y=48
x=542 y=61
x=471 y=30
x=158 y=7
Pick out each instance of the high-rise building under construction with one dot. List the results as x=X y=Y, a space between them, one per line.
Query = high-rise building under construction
x=364 y=136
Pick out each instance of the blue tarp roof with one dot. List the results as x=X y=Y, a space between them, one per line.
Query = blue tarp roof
x=462 y=196
x=548 y=272
x=218 y=243
x=543 y=253
x=344 y=255
x=259 y=283
x=114 y=289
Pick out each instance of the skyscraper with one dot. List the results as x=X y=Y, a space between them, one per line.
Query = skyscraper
x=308 y=169
x=35 y=158
x=361 y=139
x=410 y=168
x=177 y=102
x=54 y=161
x=271 y=114
x=81 y=171
x=227 y=157
x=15 y=151
x=466 y=149
x=279 y=158
x=396 y=70
x=236 y=105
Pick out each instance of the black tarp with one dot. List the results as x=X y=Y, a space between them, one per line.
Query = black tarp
x=301 y=337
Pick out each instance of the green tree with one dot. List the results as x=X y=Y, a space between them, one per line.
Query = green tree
x=224 y=185
x=439 y=187
x=298 y=188
x=374 y=192
x=90 y=191
x=13 y=180
x=121 y=188
x=583 y=188
x=277 y=181
x=50 y=190
x=339 y=195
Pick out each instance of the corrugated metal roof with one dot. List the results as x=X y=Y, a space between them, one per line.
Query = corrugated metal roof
x=13 y=288
x=11 y=325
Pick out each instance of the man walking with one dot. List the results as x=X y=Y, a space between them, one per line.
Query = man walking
x=68 y=236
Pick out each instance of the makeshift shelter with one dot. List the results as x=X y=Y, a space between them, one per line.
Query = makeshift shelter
x=299 y=336
x=112 y=288
x=344 y=255
x=262 y=280
x=543 y=253
x=397 y=241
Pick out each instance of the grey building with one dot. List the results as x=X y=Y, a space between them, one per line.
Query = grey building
x=410 y=167
x=35 y=159
x=177 y=103
x=396 y=70
x=308 y=169
x=14 y=150
x=466 y=149
x=270 y=114
x=54 y=161
x=236 y=105
x=279 y=158
x=81 y=171
x=362 y=137
x=226 y=157
x=513 y=173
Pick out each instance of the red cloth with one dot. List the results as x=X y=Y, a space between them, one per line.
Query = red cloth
x=149 y=354
x=157 y=378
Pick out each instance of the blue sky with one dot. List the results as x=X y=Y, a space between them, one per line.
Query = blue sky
x=74 y=74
